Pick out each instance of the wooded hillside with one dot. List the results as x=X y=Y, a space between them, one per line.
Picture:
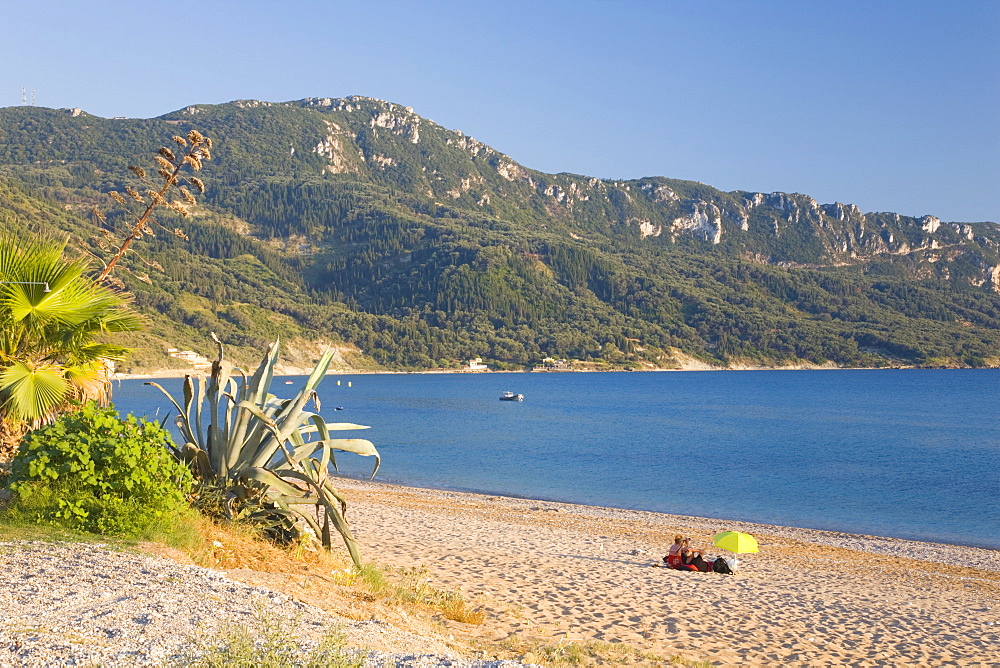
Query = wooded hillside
x=357 y=221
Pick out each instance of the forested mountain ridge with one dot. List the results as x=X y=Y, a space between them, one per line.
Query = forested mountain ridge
x=424 y=246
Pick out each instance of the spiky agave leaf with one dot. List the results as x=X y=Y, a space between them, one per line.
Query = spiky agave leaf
x=292 y=417
x=327 y=444
x=317 y=493
x=358 y=446
x=254 y=440
x=185 y=430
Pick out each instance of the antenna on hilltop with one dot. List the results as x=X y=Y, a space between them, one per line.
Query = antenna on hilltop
x=24 y=98
x=32 y=97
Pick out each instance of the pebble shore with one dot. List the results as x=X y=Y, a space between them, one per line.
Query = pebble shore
x=82 y=604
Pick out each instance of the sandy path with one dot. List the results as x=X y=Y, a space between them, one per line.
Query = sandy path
x=548 y=571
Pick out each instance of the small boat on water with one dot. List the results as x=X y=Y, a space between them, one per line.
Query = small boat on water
x=510 y=396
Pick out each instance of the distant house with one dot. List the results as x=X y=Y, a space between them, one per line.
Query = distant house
x=191 y=357
x=552 y=364
x=477 y=365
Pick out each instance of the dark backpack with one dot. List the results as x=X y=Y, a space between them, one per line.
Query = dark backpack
x=720 y=565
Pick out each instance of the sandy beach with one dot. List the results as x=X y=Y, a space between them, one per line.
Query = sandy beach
x=552 y=572
x=546 y=575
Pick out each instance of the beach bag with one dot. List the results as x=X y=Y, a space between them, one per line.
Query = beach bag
x=720 y=565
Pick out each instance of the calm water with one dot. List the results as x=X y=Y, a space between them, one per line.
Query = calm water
x=905 y=453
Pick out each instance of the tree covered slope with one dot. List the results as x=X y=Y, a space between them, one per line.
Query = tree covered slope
x=357 y=221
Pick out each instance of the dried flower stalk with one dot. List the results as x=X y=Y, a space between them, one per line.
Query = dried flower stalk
x=194 y=150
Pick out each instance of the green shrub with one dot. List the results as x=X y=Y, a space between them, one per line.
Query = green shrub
x=94 y=471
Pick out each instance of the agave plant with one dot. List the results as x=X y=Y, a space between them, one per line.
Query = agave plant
x=240 y=438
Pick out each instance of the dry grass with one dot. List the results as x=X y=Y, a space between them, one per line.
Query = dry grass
x=409 y=587
x=234 y=546
x=231 y=546
x=456 y=609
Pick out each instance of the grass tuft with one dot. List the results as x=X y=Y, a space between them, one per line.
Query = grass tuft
x=410 y=586
x=266 y=643
x=456 y=609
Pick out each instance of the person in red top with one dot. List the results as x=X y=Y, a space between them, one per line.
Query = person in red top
x=673 y=557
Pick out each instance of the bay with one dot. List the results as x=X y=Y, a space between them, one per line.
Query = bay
x=904 y=453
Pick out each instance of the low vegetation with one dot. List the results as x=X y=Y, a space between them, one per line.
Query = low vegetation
x=267 y=643
x=91 y=470
x=410 y=586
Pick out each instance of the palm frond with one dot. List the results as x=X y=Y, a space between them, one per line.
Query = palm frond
x=88 y=382
x=51 y=313
x=30 y=393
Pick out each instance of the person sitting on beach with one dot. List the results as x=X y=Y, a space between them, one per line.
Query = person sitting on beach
x=673 y=557
x=692 y=559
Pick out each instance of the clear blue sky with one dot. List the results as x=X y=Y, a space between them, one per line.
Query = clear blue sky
x=893 y=105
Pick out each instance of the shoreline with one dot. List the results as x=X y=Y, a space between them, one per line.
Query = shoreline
x=984 y=558
x=832 y=535
x=180 y=373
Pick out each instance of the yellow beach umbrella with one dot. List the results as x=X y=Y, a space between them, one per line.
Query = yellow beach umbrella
x=735 y=541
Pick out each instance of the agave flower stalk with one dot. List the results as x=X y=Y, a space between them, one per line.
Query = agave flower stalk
x=193 y=151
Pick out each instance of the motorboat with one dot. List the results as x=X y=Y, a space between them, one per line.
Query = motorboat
x=510 y=396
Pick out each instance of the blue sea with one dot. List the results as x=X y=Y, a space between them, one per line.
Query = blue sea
x=905 y=453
